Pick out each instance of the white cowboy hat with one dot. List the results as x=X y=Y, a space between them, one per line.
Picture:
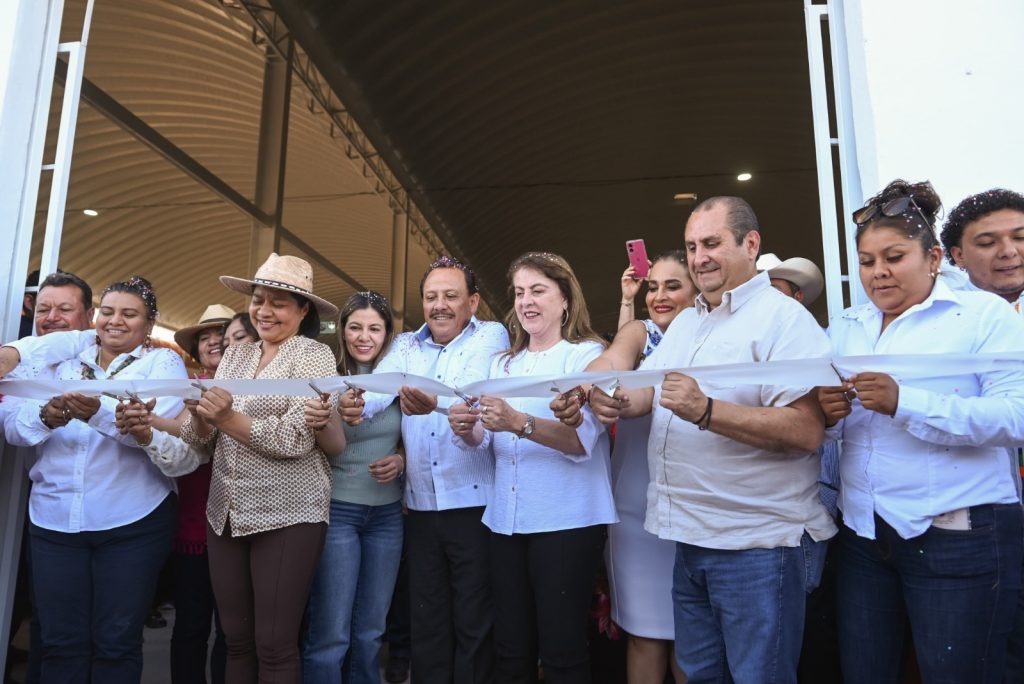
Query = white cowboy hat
x=288 y=273
x=215 y=315
x=801 y=272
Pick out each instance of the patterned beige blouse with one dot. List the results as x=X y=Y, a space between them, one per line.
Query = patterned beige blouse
x=283 y=478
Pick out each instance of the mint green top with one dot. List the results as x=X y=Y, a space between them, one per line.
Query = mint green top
x=372 y=439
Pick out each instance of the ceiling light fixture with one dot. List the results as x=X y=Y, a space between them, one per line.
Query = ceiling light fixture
x=684 y=197
x=90 y=212
x=744 y=177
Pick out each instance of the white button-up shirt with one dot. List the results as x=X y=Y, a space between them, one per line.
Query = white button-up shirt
x=87 y=476
x=946 y=447
x=440 y=474
x=712 y=491
x=539 y=489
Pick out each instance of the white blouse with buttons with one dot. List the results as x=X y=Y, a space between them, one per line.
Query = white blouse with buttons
x=539 y=489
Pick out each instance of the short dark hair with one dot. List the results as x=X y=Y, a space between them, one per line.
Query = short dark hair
x=141 y=288
x=449 y=262
x=63 y=279
x=909 y=222
x=739 y=215
x=671 y=255
x=310 y=326
x=973 y=208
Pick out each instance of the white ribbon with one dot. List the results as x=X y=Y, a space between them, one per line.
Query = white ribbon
x=798 y=373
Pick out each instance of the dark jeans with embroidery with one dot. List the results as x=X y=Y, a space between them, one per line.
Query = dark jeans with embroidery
x=959 y=589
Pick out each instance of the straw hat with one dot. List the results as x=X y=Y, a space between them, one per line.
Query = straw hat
x=801 y=272
x=288 y=273
x=214 y=316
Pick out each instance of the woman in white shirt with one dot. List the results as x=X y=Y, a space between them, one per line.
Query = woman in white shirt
x=933 y=525
x=639 y=564
x=552 y=493
x=102 y=515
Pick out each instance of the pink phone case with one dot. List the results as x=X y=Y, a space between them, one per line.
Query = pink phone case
x=637 y=257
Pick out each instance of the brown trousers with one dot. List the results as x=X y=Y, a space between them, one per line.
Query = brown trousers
x=261 y=583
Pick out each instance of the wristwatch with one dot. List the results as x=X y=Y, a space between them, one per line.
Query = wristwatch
x=528 y=428
x=42 y=417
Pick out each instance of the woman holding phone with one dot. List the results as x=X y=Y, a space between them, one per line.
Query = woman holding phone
x=639 y=564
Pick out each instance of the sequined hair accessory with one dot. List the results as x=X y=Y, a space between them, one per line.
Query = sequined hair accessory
x=140 y=287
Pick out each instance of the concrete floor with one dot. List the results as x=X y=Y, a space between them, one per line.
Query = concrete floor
x=156 y=654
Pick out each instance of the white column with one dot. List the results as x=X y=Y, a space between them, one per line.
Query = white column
x=29 y=30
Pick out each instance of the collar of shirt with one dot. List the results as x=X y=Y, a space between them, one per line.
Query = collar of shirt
x=91 y=353
x=869 y=313
x=423 y=334
x=739 y=295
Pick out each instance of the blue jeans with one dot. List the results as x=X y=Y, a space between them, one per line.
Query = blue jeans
x=348 y=603
x=958 y=588
x=93 y=591
x=739 y=615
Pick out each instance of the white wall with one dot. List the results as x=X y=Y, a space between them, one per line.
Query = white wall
x=938 y=93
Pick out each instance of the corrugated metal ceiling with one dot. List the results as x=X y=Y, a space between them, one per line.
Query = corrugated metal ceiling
x=569 y=126
x=524 y=125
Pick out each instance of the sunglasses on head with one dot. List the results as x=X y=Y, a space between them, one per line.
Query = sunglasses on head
x=893 y=207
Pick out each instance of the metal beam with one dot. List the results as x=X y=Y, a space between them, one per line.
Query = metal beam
x=99 y=100
x=272 y=155
x=399 y=266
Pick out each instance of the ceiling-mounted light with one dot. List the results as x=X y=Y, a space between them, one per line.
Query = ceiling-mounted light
x=744 y=177
x=90 y=212
x=684 y=197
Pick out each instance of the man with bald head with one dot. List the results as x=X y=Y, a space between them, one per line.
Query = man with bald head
x=734 y=469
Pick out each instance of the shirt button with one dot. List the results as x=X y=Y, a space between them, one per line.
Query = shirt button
x=435 y=462
x=513 y=488
x=431 y=434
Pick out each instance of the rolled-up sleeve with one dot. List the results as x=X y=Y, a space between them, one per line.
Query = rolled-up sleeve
x=174 y=457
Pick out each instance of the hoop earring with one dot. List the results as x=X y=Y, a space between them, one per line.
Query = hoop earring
x=565 y=317
x=148 y=342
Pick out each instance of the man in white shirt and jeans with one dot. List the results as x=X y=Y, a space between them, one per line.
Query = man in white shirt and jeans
x=446 y=485
x=984 y=236
x=734 y=468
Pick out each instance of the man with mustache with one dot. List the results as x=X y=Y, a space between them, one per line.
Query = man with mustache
x=984 y=236
x=446 y=485
x=62 y=302
x=734 y=467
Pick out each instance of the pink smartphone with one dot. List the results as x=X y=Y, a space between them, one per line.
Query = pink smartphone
x=637 y=258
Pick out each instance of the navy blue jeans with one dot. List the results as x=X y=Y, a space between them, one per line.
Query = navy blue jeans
x=194 y=609
x=351 y=592
x=958 y=588
x=93 y=592
x=739 y=615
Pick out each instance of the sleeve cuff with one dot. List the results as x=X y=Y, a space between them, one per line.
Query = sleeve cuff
x=912 y=406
